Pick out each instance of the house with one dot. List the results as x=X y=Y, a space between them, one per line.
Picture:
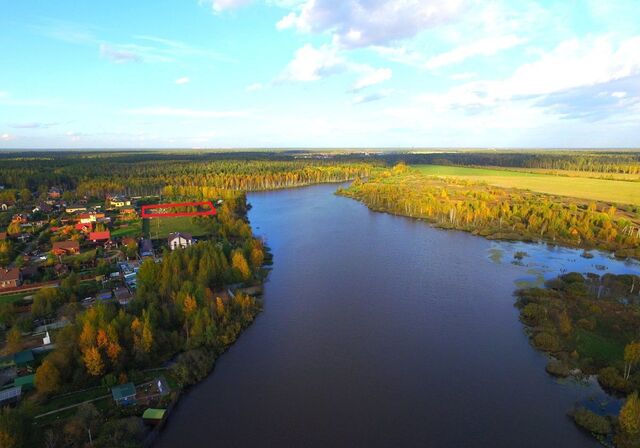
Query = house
x=21 y=218
x=54 y=193
x=23 y=358
x=10 y=396
x=10 y=278
x=65 y=248
x=180 y=240
x=128 y=213
x=87 y=218
x=119 y=201
x=3 y=236
x=75 y=208
x=27 y=382
x=146 y=248
x=61 y=269
x=152 y=416
x=100 y=236
x=124 y=394
x=84 y=227
x=122 y=295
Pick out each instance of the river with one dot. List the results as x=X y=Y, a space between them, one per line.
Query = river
x=381 y=331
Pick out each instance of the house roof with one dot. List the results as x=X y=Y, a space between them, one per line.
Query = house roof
x=96 y=236
x=7 y=275
x=27 y=380
x=123 y=391
x=186 y=236
x=10 y=393
x=154 y=414
x=23 y=357
x=66 y=245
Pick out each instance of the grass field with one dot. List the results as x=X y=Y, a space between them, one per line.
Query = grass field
x=10 y=298
x=161 y=227
x=614 y=191
x=133 y=229
x=599 y=348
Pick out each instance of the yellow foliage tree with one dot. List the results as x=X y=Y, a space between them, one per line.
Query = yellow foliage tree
x=47 y=378
x=93 y=361
x=240 y=265
x=630 y=415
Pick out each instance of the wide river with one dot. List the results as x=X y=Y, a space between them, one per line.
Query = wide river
x=381 y=331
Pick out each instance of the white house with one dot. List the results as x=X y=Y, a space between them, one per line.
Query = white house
x=180 y=240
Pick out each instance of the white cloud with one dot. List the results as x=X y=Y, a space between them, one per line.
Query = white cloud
x=311 y=64
x=463 y=76
x=118 y=55
x=372 y=77
x=163 y=111
x=619 y=94
x=361 y=23
x=6 y=137
x=254 y=87
x=223 y=5
x=572 y=64
x=484 y=47
x=183 y=80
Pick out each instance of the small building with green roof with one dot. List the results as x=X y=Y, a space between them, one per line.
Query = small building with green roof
x=153 y=416
x=124 y=394
x=23 y=358
x=27 y=382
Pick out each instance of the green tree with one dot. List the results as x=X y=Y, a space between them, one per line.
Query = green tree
x=631 y=357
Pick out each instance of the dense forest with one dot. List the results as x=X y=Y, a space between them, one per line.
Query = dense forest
x=500 y=213
x=618 y=162
x=591 y=325
x=137 y=174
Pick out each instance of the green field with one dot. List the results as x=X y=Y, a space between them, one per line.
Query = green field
x=10 y=298
x=133 y=229
x=614 y=191
x=598 y=347
x=161 y=227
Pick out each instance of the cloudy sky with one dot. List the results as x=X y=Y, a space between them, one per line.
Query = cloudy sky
x=319 y=73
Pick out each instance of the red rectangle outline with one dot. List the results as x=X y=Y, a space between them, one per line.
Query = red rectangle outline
x=145 y=214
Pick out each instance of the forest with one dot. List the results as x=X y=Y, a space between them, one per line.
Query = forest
x=500 y=213
x=590 y=326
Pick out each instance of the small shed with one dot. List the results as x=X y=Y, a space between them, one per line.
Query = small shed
x=10 y=395
x=153 y=416
x=27 y=382
x=124 y=394
x=23 y=358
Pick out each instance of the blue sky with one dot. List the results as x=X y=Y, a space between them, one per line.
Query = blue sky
x=319 y=73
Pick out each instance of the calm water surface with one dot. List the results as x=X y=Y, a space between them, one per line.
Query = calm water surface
x=380 y=331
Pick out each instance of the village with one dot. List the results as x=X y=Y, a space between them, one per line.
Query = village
x=96 y=247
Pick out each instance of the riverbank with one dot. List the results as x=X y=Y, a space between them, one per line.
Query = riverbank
x=588 y=326
x=499 y=213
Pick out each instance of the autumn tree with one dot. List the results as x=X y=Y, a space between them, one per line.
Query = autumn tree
x=629 y=417
x=93 y=361
x=47 y=378
x=631 y=357
x=240 y=266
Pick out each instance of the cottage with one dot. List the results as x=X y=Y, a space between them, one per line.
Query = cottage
x=84 y=227
x=54 y=193
x=23 y=358
x=119 y=201
x=65 y=248
x=128 y=213
x=124 y=394
x=10 y=278
x=180 y=240
x=100 y=236
x=153 y=416
x=122 y=295
x=10 y=396
x=27 y=382
x=146 y=248
x=86 y=218
x=75 y=208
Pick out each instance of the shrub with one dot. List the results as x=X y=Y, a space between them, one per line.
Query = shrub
x=557 y=368
x=546 y=341
x=610 y=378
x=591 y=421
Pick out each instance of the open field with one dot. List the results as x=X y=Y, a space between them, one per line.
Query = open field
x=162 y=227
x=614 y=191
x=10 y=298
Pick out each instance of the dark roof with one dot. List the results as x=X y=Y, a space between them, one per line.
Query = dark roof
x=23 y=357
x=7 y=275
x=123 y=391
x=66 y=245
x=10 y=393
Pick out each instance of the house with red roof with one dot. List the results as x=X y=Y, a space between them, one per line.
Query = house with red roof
x=100 y=236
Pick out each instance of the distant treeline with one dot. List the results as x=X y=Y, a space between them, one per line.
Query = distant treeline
x=99 y=173
x=620 y=162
